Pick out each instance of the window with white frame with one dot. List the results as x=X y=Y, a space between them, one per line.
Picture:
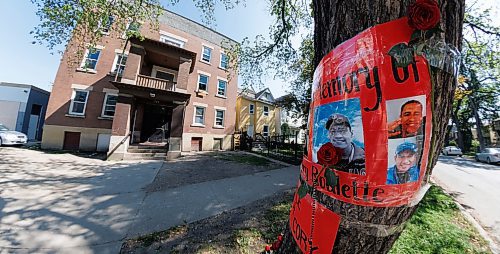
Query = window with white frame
x=78 y=102
x=266 y=110
x=171 y=40
x=224 y=61
x=206 y=54
x=221 y=87
x=109 y=106
x=265 y=131
x=219 y=118
x=199 y=115
x=251 y=109
x=133 y=28
x=91 y=58
x=202 y=82
x=119 y=63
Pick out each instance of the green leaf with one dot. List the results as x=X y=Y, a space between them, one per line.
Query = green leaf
x=331 y=178
x=303 y=190
x=419 y=48
x=415 y=36
x=403 y=54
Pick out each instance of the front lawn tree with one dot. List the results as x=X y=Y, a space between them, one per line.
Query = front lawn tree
x=336 y=21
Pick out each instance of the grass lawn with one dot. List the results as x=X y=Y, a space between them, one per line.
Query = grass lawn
x=243 y=158
x=439 y=227
x=436 y=227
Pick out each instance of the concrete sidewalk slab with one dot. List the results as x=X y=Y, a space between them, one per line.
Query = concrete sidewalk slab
x=162 y=210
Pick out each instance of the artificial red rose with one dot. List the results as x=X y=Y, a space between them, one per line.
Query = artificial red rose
x=328 y=155
x=424 y=14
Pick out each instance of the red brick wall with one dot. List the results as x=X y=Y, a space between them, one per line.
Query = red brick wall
x=66 y=76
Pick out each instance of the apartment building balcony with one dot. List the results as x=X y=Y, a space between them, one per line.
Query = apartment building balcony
x=155 y=83
x=152 y=97
x=156 y=67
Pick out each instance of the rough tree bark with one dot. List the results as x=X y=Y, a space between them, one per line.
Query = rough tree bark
x=335 y=22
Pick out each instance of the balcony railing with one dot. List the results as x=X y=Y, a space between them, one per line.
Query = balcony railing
x=155 y=83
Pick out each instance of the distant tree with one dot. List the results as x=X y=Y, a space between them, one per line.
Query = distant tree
x=478 y=93
x=285 y=129
x=299 y=97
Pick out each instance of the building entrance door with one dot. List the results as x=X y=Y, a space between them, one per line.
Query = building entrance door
x=156 y=123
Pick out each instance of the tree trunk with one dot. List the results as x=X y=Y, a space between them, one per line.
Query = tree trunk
x=479 y=125
x=335 y=22
x=454 y=119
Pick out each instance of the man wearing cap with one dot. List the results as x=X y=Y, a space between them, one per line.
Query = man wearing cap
x=409 y=123
x=352 y=157
x=405 y=170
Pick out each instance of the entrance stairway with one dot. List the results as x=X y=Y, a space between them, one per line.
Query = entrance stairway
x=259 y=144
x=147 y=152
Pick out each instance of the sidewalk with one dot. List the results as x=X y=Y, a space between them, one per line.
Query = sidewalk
x=62 y=203
x=162 y=210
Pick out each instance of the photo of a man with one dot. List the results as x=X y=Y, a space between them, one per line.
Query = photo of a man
x=338 y=140
x=410 y=121
x=351 y=157
x=405 y=167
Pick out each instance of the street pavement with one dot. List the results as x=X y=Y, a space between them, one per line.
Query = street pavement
x=476 y=186
x=61 y=203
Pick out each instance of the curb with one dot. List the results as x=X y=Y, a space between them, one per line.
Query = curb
x=492 y=245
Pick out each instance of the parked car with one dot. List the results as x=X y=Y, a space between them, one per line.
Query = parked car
x=452 y=150
x=8 y=137
x=489 y=155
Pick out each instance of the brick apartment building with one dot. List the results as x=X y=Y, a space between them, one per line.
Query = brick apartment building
x=173 y=92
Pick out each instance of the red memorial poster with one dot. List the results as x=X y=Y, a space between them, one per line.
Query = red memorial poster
x=369 y=128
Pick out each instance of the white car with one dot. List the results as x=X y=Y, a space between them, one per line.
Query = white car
x=452 y=150
x=489 y=155
x=8 y=137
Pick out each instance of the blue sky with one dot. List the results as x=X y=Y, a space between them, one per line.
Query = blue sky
x=24 y=62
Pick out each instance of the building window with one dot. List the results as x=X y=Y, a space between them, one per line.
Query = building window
x=91 y=58
x=265 y=131
x=133 y=28
x=266 y=110
x=206 y=54
x=251 y=109
x=109 y=106
x=224 y=61
x=119 y=63
x=219 y=118
x=109 y=23
x=199 y=115
x=221 y=88
x=78 y=102
x=171 y=40
x=202 y=82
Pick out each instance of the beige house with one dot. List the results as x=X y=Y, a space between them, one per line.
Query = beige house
x=257 y=113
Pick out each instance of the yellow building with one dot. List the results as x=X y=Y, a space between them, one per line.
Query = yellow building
x=257 y=113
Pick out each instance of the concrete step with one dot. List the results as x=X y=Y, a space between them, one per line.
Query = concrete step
x=147 y=150
x=146 y=147
x=145 y=156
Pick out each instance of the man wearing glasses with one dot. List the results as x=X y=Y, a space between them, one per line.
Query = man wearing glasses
x=351 y=156
x=405 y=169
